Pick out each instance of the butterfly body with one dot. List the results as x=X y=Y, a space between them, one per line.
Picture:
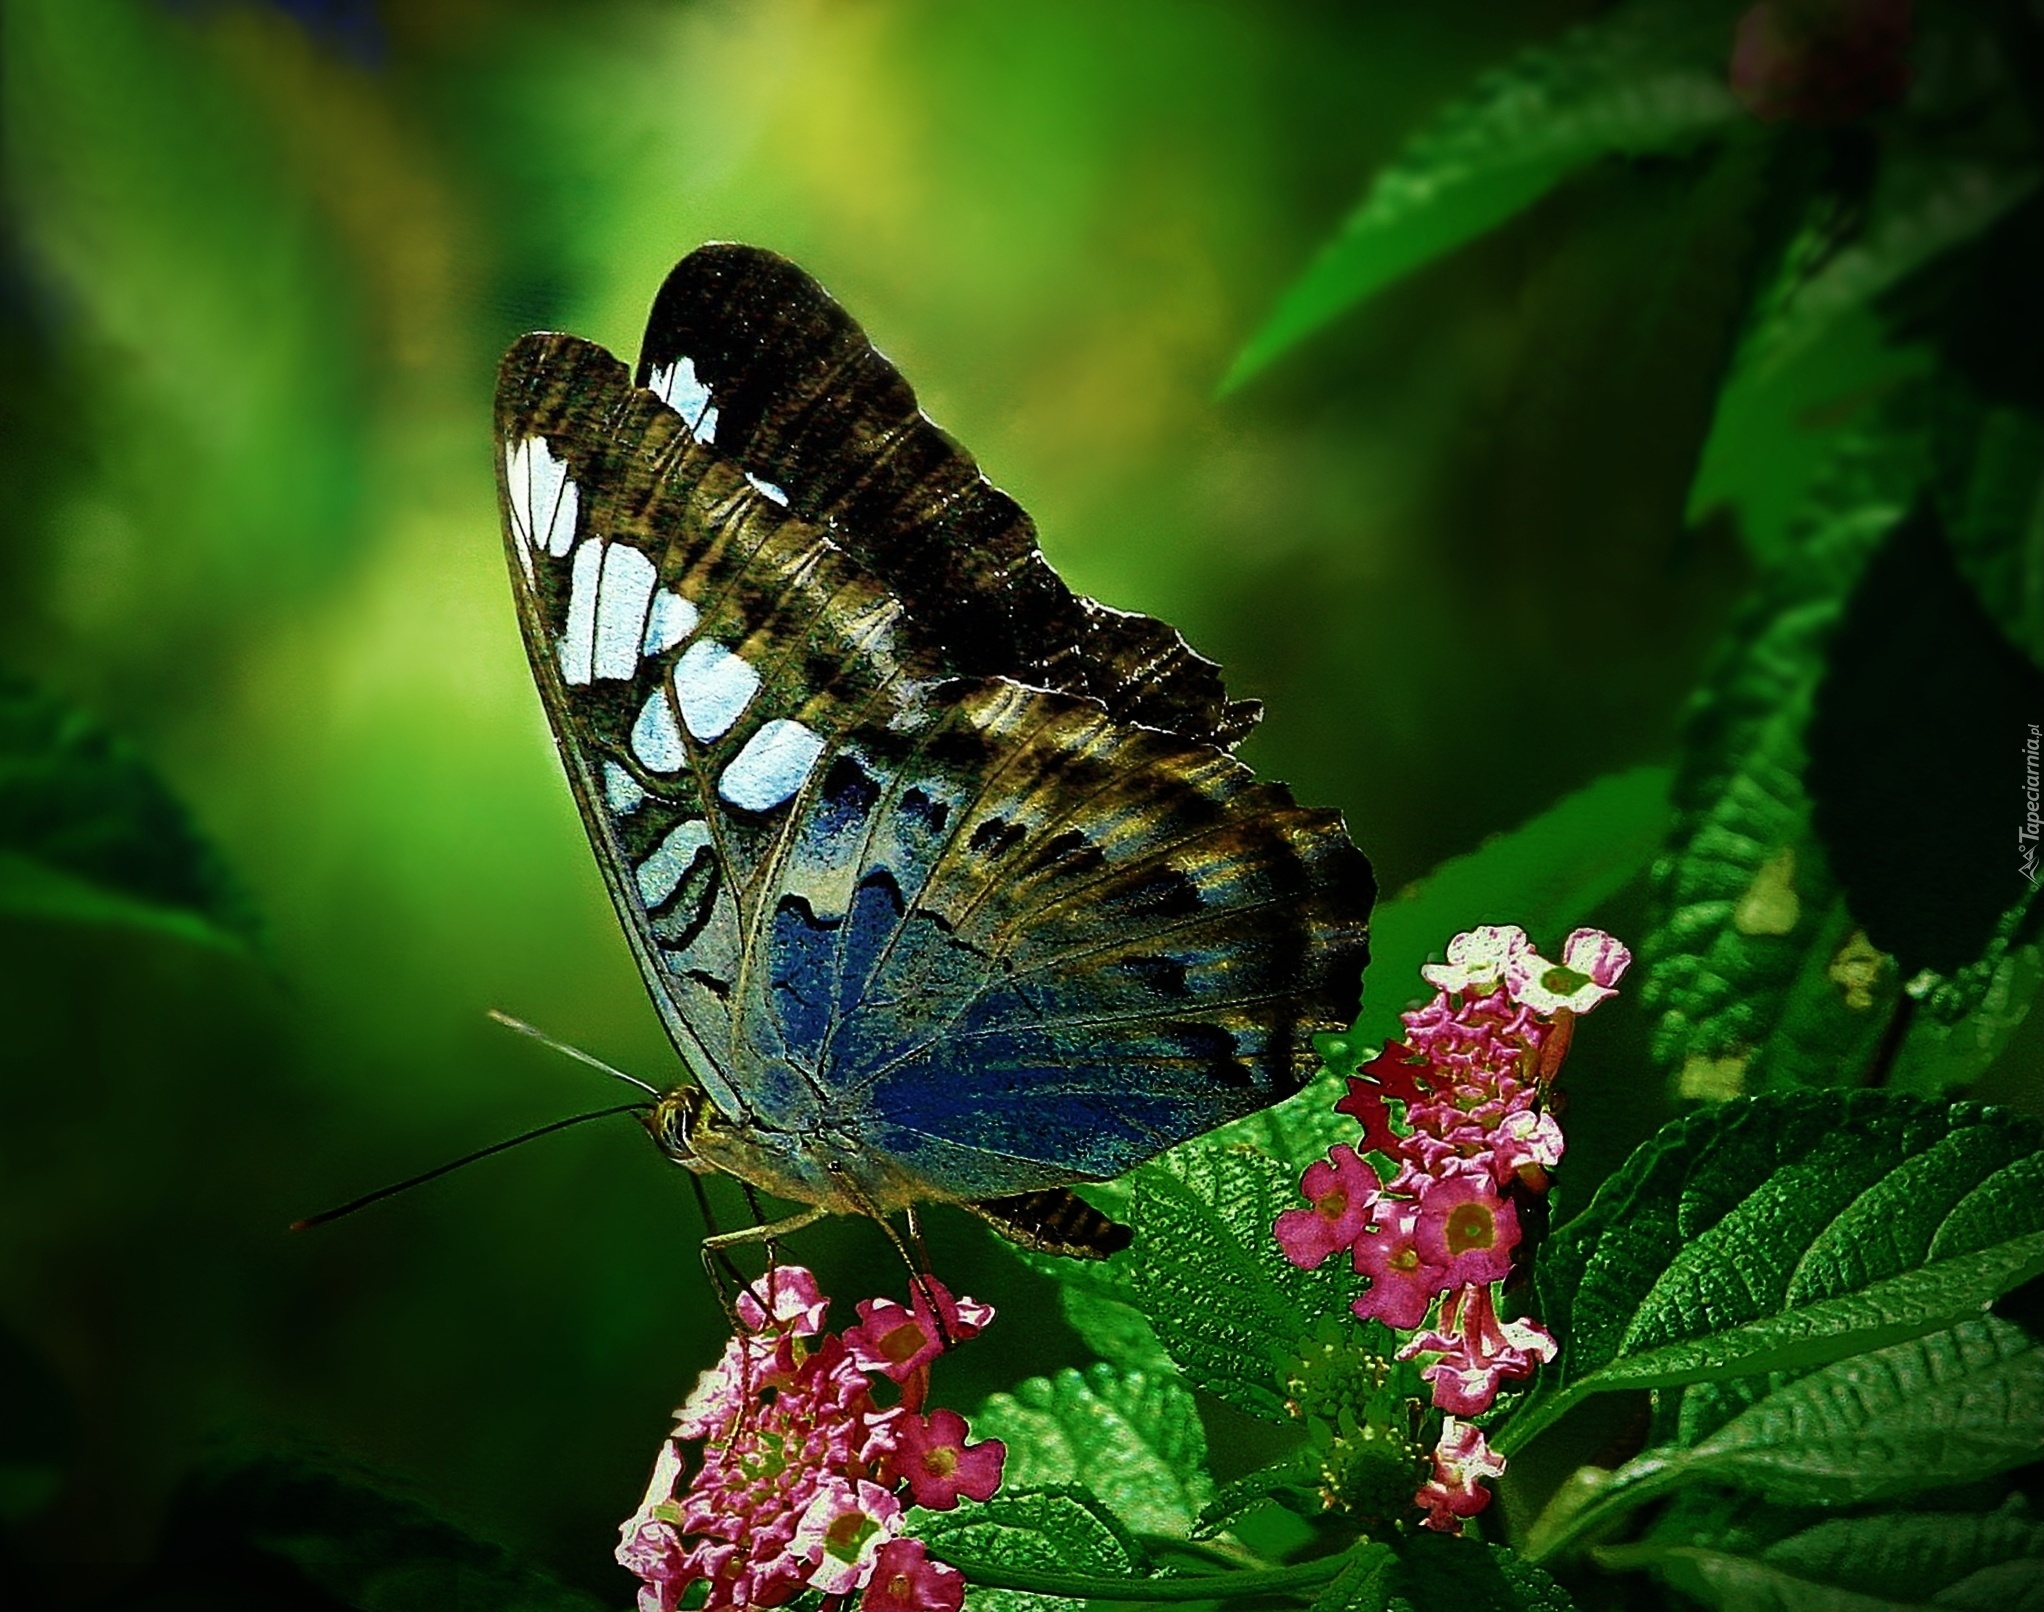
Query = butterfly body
x=943 y=879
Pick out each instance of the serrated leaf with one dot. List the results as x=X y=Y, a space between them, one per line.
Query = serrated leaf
x=1761 y=977
x=1990 y=491
x=1546 y=876
x=1439 y=1574
x=1058 y=1530
x=1766 y=1558
x=1779 y=1233
x=89 y=833
x=1922 y=208
x=1647 y=77
x=1133 y=1439
x=1294 y=1479
x=1208 y=1274
x=1935 y=1411
x=1362 y=1585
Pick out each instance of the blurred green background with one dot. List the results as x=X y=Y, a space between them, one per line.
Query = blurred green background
x=260 y=262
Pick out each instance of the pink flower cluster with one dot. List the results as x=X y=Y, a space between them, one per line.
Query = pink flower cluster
x=804 y=1476
x=1471 y=1126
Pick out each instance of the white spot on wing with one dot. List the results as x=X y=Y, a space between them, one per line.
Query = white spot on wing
x=768 y=490
x=550 y=499
x=518 y=485
x=713 y=687
x=578 y=641
x=621 y=791
x=771 y=767
x=678 y=388
x=662 y=871
x=628 y=578
x=656 y=741
x=673 y=619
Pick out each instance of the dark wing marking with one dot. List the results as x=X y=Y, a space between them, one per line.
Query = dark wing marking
x=1083 y=941
x=698 y=653
x=798 y=397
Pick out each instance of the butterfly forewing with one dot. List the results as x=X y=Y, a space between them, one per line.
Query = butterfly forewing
x=799 y=398
x=906 y=876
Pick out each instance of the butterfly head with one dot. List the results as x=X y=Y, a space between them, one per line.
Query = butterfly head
x=674 y=1122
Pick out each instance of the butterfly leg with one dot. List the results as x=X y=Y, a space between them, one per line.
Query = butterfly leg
x=919 y=1271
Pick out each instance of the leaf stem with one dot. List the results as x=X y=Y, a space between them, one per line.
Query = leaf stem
x=1191 y=1587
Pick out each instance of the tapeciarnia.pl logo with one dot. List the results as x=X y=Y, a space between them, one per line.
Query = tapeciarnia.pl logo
x=2026 y=836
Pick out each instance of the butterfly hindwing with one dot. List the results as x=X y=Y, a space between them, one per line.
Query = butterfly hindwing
x=910 y=873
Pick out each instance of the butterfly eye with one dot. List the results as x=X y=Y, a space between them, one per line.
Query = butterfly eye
x=670 y=1122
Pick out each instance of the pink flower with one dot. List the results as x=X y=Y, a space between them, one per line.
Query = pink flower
x=1591 y=963
x=1462 y=1461
x=649 y=1544
x=1341 y=1189
x=930 y=1454
x=906 y=1579
x=898 y=1342
x=802 y=1476
x=1478 y=1352
x=1478 y=961
x=785 y=1299
x=841 y=1531
x=1466 y=1229
x=1402 y=1282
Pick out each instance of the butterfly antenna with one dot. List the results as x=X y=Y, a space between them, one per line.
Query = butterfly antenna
x=567 y=1051
x=439 y=1170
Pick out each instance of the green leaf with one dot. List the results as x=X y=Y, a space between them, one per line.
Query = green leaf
x=1437 y=1574
x=1208 y=1274
x=1760 y=974
x=1647 y=77
x=1133 y=1439
x=1931 y=1412
x=90 y=834
x=1547 y=876
x=1293 y=1482
x=1766 y=1558
x=1059 y=1530
x=1990 y=490
x=331 y=1539
x=1922 y=208
x=1362 y=1585
x=1780 y=1233
x=1113 y=1329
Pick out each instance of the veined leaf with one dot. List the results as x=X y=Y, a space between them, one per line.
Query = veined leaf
x=1435 y=1573
x=1057 y=1530
x=1922 y=208
x=89 y=833
x=1763 y=1557
x=1780 y=1233
x=1647 y=77
x=1210 y=1277
x=1935 y=1411
x=1134 y=1440
x=1762 y=978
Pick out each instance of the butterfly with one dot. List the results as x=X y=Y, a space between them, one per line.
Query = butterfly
x=943 y=879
